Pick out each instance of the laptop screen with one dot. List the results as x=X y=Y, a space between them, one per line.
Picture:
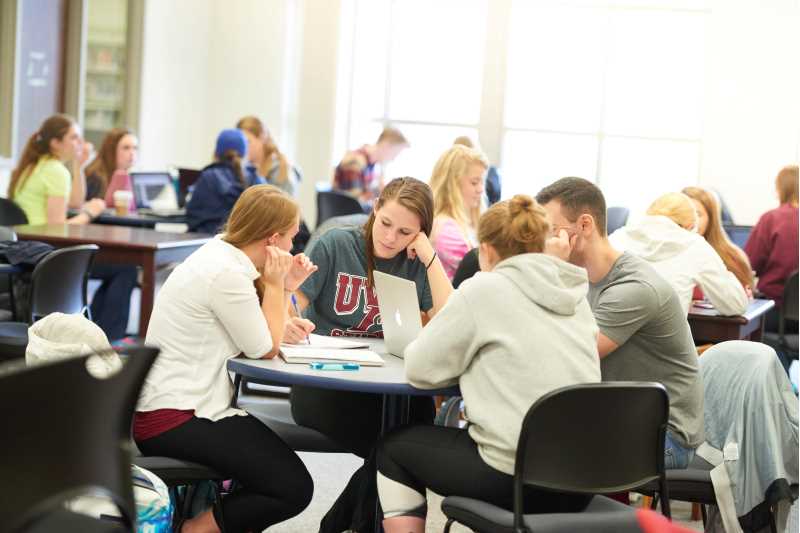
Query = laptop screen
x=153 y=190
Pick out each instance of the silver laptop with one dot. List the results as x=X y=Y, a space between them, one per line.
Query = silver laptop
x=399 y=306
x=155 y=194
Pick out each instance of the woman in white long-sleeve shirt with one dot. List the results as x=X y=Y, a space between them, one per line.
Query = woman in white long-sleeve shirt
x=228 y=297
x=667 y=239
x=511 y=334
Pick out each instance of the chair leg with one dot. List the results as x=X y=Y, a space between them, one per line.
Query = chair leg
x=772 y=527
x=447 y=525
x=218 y=504
x=695 y=512
x=654 y=502
x=704 y=514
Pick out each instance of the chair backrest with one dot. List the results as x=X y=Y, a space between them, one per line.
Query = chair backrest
x=789 y=306
x=186 y=178
x=616 y=217
x=11 y=214
x=593 y=438
x=70 y=437
x=738 y=234
x=346 y=221
x=58 y=283
x=467 y=268
x=7 y=234
x=334 y=204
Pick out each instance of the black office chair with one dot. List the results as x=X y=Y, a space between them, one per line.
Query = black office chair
x=783 y=342
x=467 y=268
x=616 y=217
x=59 y=445
x=9 y=307
x=11 y=214
x=593 y=438
x=334 y=204
x=58 y=284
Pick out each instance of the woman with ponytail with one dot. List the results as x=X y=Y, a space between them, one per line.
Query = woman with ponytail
x=41 y=183
x=267 y=160
x=42 y=186
x=220 y=184
x=522 y=326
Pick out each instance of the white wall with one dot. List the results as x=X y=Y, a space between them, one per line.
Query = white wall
x=752 y=102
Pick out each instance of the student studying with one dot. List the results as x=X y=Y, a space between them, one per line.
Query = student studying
x=644 y=334
x=522 y=326
x=229 y=297
x=340 y=300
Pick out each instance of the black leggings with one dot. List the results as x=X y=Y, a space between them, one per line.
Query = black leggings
x=275 y=483
x=446 y=460
x=353 y=420
x=112 y=301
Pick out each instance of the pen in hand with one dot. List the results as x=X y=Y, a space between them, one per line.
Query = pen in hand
x=297 y=312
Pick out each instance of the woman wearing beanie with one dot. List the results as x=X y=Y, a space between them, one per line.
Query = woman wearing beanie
x=522 y=324
x=220 y=184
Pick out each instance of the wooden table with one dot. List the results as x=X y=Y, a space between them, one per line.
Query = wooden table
x=709 y=327
x=143 y=247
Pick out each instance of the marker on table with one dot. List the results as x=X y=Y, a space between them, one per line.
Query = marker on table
x=297 y=312
x=334 y=366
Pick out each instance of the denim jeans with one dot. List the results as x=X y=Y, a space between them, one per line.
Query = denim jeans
x=675 y=455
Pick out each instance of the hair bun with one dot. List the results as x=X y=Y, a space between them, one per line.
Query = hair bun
x=519 y=204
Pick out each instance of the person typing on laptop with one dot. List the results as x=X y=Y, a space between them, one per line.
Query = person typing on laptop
x=340 y=300
x=523 y=326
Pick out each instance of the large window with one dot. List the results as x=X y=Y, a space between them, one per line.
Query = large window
x=609 y=91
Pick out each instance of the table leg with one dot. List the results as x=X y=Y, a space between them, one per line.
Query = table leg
x=148 y=293
x=759 y=333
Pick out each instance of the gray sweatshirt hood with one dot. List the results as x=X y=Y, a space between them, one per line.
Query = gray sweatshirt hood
x=654 y=238
x=554 y=284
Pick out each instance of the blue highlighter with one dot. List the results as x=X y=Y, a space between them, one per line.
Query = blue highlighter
x=334 y=366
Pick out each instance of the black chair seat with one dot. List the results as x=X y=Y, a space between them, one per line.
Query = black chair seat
x=602 y=515
x=65 y=521
x=13 y=340
x=689 y=485
x=774 y=340
x=174 y=472
x=276 y=414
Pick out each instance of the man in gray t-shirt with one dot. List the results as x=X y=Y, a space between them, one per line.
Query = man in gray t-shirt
x=644 y=334
x=641 y=313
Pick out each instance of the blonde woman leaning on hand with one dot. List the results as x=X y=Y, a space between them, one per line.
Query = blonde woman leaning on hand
x=667 y=238
x=457 y=183
x=228 y=297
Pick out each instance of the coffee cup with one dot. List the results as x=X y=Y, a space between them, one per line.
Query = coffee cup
x=122 y=202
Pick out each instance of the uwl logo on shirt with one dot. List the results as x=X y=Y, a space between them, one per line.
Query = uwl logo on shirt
x=352 y=295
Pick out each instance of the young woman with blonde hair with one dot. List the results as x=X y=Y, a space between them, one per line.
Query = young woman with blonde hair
x=457 y=183
x=264 y=155
x=709 y=226
x=340 y=300
x=773 y=243
x=522 y=325
x=228 y=297
x=667 y=238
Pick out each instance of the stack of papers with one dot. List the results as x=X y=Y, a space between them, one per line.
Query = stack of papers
x=330 y=350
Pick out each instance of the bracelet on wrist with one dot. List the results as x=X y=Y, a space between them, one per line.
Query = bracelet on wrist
x=428 y=266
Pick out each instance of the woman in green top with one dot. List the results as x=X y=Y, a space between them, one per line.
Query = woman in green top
x=41 y=183
x=42 y=186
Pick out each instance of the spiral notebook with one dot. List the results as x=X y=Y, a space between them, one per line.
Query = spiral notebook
x=311 y=354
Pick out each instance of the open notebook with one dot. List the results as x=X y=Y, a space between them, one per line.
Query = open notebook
x=330 y=350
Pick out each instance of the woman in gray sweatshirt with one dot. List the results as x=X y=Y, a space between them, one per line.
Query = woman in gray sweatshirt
x=519 y=329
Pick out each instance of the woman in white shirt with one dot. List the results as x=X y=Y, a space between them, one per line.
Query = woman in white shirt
x=227 y=298
x=667 y=238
